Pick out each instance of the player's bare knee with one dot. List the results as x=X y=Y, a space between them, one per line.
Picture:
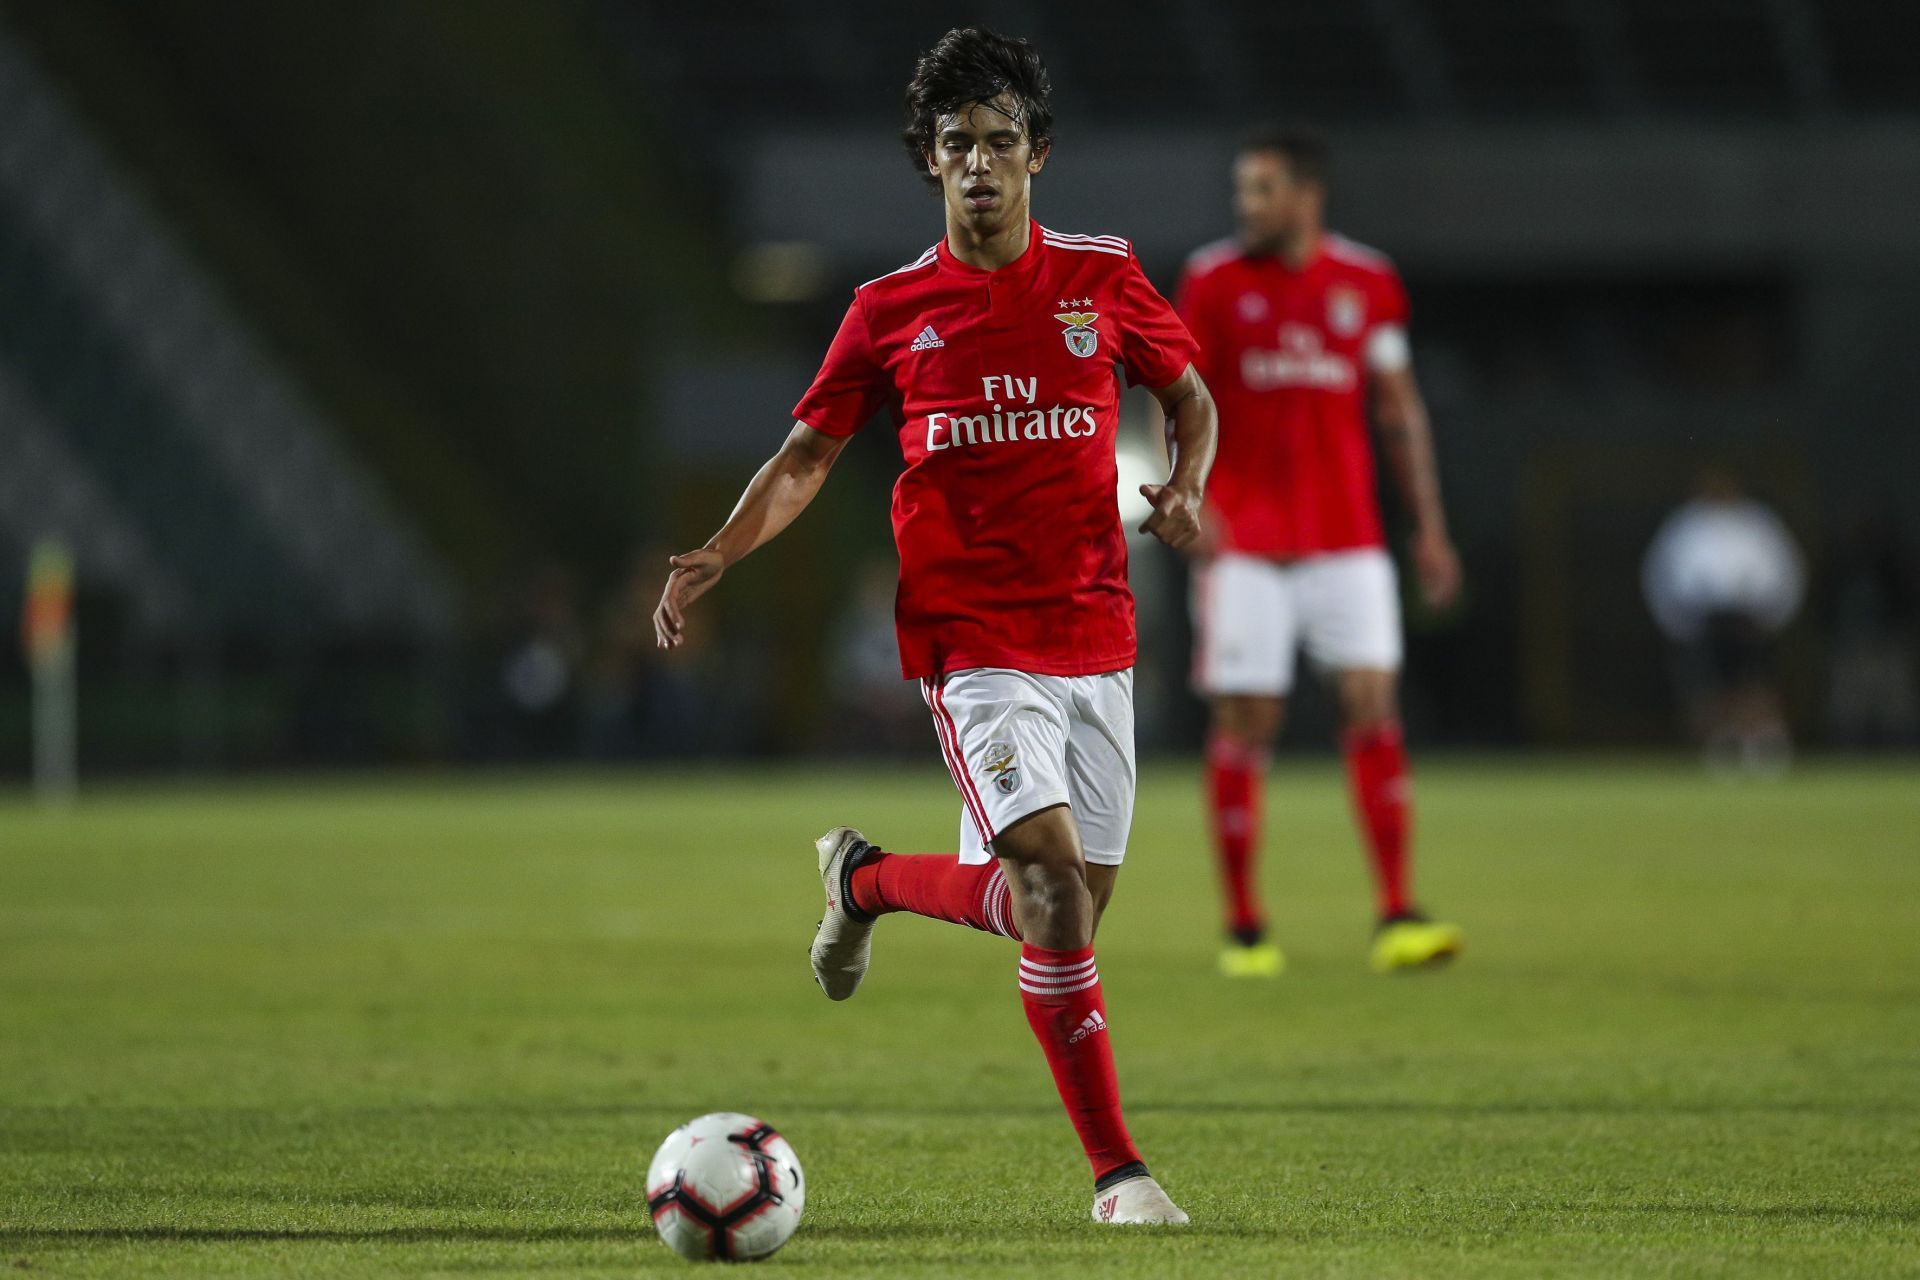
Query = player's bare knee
x=1047 y=876
x=1055 y=897
x=1252 y=723
x=1368 y=699
x=1053 y=906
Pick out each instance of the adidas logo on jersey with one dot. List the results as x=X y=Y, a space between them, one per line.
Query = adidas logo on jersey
x=1094 y=1024
x=927 y=340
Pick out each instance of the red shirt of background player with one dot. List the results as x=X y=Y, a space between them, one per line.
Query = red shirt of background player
x=1286 y=355
x=1003 y=387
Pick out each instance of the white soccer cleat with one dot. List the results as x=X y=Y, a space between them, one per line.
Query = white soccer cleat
x=844 y=942
x=1137 y=1200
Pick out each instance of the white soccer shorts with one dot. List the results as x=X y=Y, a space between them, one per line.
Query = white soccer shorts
x=1017 y=743
x=1251 y=615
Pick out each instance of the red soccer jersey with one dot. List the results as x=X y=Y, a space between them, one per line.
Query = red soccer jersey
x=1002 y=386
x=1286 y=354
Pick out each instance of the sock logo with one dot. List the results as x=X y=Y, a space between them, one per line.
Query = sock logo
x=1093 y=1025
x=1107 y=1206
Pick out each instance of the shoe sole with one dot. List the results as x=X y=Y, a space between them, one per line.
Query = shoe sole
x=1437 y=959
x=1175 y=1216
x=830 y=847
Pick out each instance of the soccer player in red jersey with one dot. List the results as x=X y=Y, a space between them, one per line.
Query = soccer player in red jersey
x=1303 y=337
x=996 y=354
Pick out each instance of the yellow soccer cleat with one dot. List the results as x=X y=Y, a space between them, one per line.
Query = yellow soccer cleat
x=1255 y=960
x=1411 y=941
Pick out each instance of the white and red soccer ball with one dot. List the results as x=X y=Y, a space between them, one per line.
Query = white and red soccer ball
x=725 y=1187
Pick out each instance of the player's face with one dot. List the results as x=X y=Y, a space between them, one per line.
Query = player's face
x=985 y=163
x=1272 y=207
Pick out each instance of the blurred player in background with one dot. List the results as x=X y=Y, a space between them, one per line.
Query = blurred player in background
x=1303 y=336
x=1722 y=579
x=995 y=353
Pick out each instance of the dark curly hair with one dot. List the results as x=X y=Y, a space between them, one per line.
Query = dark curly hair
x=973 y=64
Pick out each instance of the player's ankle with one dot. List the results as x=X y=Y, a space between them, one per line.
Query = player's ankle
x=1116 y=1174
x=859 y=883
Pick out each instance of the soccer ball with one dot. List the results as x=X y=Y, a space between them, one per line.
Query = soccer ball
x=725 y=1187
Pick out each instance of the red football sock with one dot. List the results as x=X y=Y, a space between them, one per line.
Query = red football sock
x=938 y=886
x=1061 y=992
x=1236 y=776
x=1383 y=802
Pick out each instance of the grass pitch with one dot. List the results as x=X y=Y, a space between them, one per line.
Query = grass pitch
x=438 y=1027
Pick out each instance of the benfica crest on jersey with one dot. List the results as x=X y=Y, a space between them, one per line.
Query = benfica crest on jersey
x=1082 y=338
x=1346 y=310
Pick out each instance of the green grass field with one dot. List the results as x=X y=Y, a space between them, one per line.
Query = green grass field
x=438 y=1027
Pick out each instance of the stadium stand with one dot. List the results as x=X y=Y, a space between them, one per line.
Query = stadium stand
x=1378 y=60
x=213 y=463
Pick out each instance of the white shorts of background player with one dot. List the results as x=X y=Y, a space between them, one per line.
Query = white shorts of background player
x=1017 y=743
x=1251 y=615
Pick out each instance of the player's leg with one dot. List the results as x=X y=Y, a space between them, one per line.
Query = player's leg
x=1100 y=883
x=1350 y=620
x=1242 y=729
x=862 y=882
x=1056 y=910
x=1378 y=778
x=938 y=886
x=1101 y=782
x=1243 y=665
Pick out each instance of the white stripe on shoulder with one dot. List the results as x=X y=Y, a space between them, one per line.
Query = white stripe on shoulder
x=1070 y=235
x=1085 y=248
x=915 y=265
x=1210 y=256
x=1338 y=246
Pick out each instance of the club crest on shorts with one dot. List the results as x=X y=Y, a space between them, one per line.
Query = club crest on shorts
x=1346 y=310
x=1082 y=338
x=1002 y=765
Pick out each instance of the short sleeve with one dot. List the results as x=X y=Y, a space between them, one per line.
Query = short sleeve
x=850 y=386
x=1155 y=346
x=1387 y=348
x=1390 y=302
x=1190 y=304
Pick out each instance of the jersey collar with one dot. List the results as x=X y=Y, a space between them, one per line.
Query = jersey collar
x=1314 y=259
x=1020 y=268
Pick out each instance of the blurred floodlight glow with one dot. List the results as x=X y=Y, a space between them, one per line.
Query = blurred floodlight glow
x=777 y=271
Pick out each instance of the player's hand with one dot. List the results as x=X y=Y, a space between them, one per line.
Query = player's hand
x=1437 y=565
x=693 y=573
x=1176 y=515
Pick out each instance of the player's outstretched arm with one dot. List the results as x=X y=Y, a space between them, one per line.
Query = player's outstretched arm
x=1193 y=432
x=1407 y=440
x=778 y=492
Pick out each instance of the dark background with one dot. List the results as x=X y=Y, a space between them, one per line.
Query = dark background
x=371 y=357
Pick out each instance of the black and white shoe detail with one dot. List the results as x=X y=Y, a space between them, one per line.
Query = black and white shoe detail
x=843 y=944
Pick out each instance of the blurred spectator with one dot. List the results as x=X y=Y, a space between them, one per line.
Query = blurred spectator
x=529 y=705
x=1722 y=578
x=639 y=704
x=1869 y=598
x=874 y=711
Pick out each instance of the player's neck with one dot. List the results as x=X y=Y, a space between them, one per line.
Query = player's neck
x=1294 y=251
x=993 y=249
x=1298 y=250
